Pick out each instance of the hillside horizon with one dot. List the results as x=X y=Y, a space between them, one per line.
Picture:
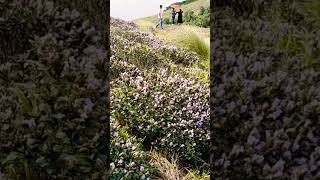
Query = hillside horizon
x=131 y=10
x=190 y=5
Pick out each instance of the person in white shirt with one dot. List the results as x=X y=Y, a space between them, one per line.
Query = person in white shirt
x=160 y=16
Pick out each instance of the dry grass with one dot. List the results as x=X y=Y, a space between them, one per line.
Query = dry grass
x=169 y=170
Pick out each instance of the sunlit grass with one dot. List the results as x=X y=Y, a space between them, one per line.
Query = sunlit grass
x=195 y=39
x=170 y=170
x=196 y=175
x=146 y=26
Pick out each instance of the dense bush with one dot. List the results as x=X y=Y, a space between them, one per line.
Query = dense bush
x=14 y=32
x=53 y=99
x=265 y=99
x=165 y=114
x=201 y=18
x=97 y=11
x=128 y=160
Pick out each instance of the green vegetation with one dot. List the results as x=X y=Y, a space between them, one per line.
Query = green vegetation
x=193 y=38
x=53 y=105
x=201 y=18
x=266 y=79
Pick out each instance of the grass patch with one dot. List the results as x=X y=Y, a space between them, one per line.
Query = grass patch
x=196 y=175
x=166 y=169
x=193 y=38
x=169 y=170
x=312 y=8
x=298 y=45
x=146 y=26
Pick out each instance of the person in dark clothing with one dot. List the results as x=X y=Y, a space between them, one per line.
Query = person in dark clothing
x=180 y=16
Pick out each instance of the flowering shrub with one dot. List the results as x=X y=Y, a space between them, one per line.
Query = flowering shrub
x=265 y=99
x=153 y=108
x=145 y=49
x=127 y=159
x=53 y=103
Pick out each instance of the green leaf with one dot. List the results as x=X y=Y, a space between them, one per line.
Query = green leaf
x=60 y=135
x=11 y=157
x=42 y=162
x=23 y=101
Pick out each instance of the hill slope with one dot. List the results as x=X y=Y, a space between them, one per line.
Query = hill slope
x=158 y=99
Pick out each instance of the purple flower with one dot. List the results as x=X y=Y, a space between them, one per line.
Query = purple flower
x=199 y=123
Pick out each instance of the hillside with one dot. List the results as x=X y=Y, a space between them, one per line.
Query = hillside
x=165 y=74
x=158 y=103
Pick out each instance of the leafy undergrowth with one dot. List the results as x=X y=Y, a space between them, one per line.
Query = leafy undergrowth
x=266 y=97
x=53 y=100
x=155 y=93
x=129 y=161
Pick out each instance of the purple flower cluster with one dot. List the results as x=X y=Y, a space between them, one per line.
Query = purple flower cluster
x=55 y=92
x=164 y=102
x=128 y=44
x=127 y=157
x=265 y=99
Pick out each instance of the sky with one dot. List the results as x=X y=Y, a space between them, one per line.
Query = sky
x=134 y=9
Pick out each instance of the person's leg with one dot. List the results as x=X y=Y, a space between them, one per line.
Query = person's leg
x=161 y=23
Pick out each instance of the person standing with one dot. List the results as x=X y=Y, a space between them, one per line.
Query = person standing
x=173 y=13
x=160 y=16
x=180 y=16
